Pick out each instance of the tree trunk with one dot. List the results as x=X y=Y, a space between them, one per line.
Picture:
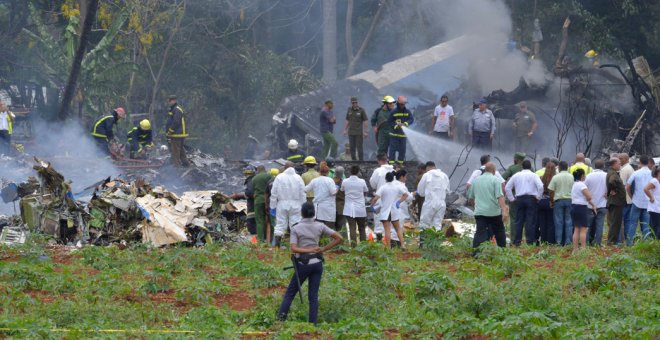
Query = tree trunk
x=70 y=89
x=353 y=60
x=559 y=64
x=329 y=41
x=157 y=77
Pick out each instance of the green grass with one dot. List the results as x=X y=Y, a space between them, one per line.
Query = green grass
x=367 y=292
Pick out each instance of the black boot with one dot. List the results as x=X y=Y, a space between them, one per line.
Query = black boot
x=277 y=241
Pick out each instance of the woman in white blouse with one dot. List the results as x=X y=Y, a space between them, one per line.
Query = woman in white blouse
x=581 y=200
x=390 y=195
x=324 y=189
x=652 y=191
x=355 y=208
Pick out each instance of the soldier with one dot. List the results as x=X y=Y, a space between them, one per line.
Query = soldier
x=379 y=122
x=356 y=129
x=525 y=125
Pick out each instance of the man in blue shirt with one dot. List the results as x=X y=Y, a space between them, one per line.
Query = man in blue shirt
x=635 y=188
x=327 y=122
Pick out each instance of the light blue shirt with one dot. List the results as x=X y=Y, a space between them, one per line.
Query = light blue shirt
x=641 y=177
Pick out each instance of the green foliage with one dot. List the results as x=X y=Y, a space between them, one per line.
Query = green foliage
x=504 y=261
x=369 y=292
x=433 y=284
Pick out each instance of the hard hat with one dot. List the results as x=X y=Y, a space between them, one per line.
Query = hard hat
x=120 y=112
x=310 y=160
x=388 y=99
x=249 y=170
x=274 y=172
x=293 y=144
x=591 y=54
x=145 y=124
x=330 y=161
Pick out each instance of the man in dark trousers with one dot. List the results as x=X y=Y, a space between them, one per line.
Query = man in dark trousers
x=356 y=129
x=176 y=132
x=616 y=201
x=399 y=118
x=140 y=139
x=489 y=208
x=482 y=127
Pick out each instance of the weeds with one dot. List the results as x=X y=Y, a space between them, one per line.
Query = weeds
x=367 y=292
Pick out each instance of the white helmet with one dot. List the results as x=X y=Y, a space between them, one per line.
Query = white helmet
x=293 y=144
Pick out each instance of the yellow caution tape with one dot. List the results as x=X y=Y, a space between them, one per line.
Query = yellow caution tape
x=162 y=331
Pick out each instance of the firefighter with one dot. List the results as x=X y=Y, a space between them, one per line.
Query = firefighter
x=140 y=139
x=293 y=154
x=102 y=130
x=176 y=132
x=399 y=118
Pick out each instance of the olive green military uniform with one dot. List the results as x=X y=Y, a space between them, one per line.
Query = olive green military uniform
x=379 y=120
x=524 y=123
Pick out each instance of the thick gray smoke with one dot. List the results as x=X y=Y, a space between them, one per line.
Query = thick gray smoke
x=493 y=62
x=71 y=151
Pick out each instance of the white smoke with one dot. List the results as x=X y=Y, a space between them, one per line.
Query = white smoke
x=492 y=62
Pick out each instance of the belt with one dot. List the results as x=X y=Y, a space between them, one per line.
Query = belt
x=521 y=196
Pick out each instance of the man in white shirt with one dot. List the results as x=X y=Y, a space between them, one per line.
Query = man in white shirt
x=443 y=120
x=529 y=189
x=596 y=182
x=377 y=180
x=638 y=210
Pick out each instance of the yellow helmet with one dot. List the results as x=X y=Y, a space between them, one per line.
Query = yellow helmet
x=388 y=99
x=310 y=160
x=591 y=54
x=274 y=172
x=145 y=124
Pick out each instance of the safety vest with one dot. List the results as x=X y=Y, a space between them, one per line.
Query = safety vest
x=295 y=158
x=141 y=138
x=94 y=132
x=184 y=132
x=587 y=169
x=10 y=121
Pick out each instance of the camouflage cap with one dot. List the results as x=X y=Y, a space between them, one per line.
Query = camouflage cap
x=354 y=99
x=519 y=155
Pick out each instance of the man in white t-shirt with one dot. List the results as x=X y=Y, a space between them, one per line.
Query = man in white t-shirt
x=443 y=120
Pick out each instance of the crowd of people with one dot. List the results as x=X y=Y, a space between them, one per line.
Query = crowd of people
x=560 y=203
x=340 y=200
x=567 y=204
